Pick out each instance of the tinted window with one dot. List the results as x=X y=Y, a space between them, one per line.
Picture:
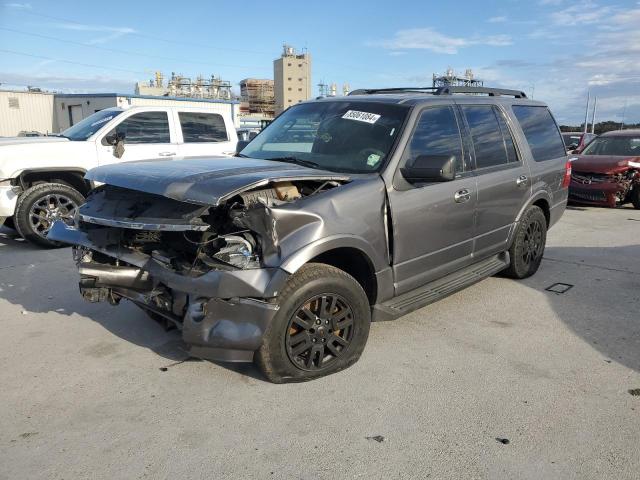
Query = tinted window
x=202 y=127
x=541 y=132
x=436 y=133
x=488 y=142
x=509 y=145
x=147 y=127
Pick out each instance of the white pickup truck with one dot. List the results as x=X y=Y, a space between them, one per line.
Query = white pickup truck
x=42 y=178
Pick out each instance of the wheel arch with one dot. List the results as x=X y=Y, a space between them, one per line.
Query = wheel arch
x=72 y=176
x=350 y=254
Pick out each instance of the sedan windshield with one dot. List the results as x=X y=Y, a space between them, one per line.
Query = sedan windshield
x=341 y=136
x=90 y=125
x=627 y=146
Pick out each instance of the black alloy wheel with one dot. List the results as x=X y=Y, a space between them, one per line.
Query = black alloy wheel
x=320 y=332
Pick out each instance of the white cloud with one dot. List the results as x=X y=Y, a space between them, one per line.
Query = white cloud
x=498 y=19
x=429 y=39
x=585 y=13
x=112 y=33
x=24 y=6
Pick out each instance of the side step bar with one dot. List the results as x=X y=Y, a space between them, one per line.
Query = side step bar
x=439 y=289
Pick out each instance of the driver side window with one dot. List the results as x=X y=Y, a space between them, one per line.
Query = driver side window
x=436 y=133
x=145 y=127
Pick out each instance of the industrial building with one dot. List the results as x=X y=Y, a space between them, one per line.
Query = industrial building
x=292 y=78
x=211 y=88
x=257 y=97
x=27 y=111
x=451 y=79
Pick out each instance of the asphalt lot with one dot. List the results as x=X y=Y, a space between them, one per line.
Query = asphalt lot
x=93 y=391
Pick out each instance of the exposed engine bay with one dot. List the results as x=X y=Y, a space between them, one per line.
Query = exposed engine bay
x=187 y=238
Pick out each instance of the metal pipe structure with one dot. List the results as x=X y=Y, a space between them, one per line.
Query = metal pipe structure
x=586 y=113
x=593 y=115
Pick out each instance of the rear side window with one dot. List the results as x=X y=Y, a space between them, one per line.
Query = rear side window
x=147 y=127
x=202 y=127
x=541 y=132
x=437 y=133
x=492 y=141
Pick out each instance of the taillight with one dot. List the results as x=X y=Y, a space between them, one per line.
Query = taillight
x=566 y=180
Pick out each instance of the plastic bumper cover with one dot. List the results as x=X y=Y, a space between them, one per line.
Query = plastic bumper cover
x=227 y=312
x=8 y=200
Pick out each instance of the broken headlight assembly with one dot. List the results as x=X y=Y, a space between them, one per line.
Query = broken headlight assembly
x=238 y=252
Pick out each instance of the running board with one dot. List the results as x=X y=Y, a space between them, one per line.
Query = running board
x=438 y=289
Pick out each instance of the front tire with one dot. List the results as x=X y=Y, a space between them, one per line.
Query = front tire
x=40 y=206
x=528 y=245
x=321 y=327
x=635 y=196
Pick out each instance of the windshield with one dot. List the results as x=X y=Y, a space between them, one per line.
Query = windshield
x=624 y=146
x=341 y=136
x=90 y=125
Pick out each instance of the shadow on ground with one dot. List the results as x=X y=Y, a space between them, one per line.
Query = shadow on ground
x=603 y=303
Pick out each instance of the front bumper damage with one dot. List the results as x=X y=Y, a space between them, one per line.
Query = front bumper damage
x=227 y=311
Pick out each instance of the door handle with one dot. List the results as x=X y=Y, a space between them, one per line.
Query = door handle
x=462 y=196
x=522 y=180
x=167 y=154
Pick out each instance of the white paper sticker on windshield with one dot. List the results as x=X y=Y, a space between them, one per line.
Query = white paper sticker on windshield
x=102 y=120
x=361 y=116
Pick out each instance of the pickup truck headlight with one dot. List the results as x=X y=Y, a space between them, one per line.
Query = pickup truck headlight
x=238 y=252
x=5 y=182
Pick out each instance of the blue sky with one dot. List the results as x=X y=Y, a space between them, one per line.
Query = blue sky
x=555 y=50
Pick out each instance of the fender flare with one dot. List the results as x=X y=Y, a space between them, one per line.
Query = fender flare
x=21 y=173
x=539 y=195
x=301 y=256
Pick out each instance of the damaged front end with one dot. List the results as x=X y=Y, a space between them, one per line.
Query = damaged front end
x=214 y=271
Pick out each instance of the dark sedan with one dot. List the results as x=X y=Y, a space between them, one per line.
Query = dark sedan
x=607 y=171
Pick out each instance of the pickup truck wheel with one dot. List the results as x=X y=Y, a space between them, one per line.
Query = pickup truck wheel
x=321 y=327
x=635 y=196
x=40 y=206
x=528 y=245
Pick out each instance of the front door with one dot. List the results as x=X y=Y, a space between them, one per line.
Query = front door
x=147 y=135
x=433 y=223
x=504 y=183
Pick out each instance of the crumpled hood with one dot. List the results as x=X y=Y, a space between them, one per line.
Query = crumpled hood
x=606 y=164
x=203 y=180
x=31 y=140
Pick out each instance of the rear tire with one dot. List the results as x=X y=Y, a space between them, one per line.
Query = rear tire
x=321 y=327
x=528 y=245
x=39 y=206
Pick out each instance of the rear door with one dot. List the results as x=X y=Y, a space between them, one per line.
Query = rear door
x=433 y=223
x=503 y=178
x=147 y=135
x=204 y=133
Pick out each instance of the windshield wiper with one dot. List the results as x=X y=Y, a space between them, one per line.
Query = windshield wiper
x=295 y=160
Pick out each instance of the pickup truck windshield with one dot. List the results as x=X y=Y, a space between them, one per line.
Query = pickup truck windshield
x=90 y=125
x=617 y=146
x=341 y=136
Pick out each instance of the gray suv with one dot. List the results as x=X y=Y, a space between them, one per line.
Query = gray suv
x=341 y=212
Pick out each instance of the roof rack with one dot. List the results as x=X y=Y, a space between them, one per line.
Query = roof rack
x=492 y=92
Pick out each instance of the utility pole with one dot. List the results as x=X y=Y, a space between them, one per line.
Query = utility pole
x=624 y=110
x=593 y=115
x=586 y=112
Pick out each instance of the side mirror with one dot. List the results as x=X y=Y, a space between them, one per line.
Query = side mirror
x=430 y=168
x=113 y=138
x=241 y=144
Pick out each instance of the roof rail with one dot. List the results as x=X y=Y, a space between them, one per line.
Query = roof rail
x=492 y=92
